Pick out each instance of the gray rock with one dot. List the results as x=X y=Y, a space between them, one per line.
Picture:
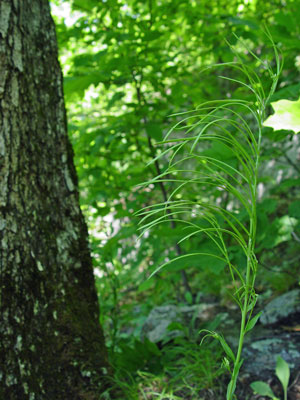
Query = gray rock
x=260 y=356
x=281 y=307
x=156 y=325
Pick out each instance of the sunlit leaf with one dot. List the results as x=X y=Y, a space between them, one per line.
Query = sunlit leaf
x=286 y=116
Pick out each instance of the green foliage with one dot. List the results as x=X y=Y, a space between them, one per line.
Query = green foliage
x=263 y=389
x=127 y=67
x=282 y=373
x=222 y=123
x=181 y=371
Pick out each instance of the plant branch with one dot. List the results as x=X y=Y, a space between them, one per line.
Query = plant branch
x=183 y=273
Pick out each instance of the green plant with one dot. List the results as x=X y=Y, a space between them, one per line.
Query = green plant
x=282 y=373
x=234 y=127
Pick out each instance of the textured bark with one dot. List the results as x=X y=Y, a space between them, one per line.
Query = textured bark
x=51 y=342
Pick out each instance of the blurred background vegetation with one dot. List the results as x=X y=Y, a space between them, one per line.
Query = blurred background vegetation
x=128 y=65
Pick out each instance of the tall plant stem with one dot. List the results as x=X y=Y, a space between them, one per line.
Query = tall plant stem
x=235 y=125
x=249 y=283
x=250 y=272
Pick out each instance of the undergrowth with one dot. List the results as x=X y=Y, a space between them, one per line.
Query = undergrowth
x=180 y=371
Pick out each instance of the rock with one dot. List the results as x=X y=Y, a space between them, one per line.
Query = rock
x=198 y=312
x=260 y=356
x=281 y=308
x=156 y=325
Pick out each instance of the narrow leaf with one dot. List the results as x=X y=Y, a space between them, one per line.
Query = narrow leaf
x=252 y=322
x=283 y=372
x=252 y=304
x=184 y=256
x=226 y=347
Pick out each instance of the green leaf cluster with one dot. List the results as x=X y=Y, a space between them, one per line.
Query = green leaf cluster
x=134 y=68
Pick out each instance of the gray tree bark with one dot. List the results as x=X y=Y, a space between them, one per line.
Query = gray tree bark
x=52 y=345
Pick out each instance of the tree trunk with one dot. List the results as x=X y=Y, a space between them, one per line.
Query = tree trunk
x=52 y=345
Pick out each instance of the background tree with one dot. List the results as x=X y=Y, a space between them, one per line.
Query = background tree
x=51 y=342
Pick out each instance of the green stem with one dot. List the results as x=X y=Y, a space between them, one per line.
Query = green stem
x=250 y=278
x=236 y=368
